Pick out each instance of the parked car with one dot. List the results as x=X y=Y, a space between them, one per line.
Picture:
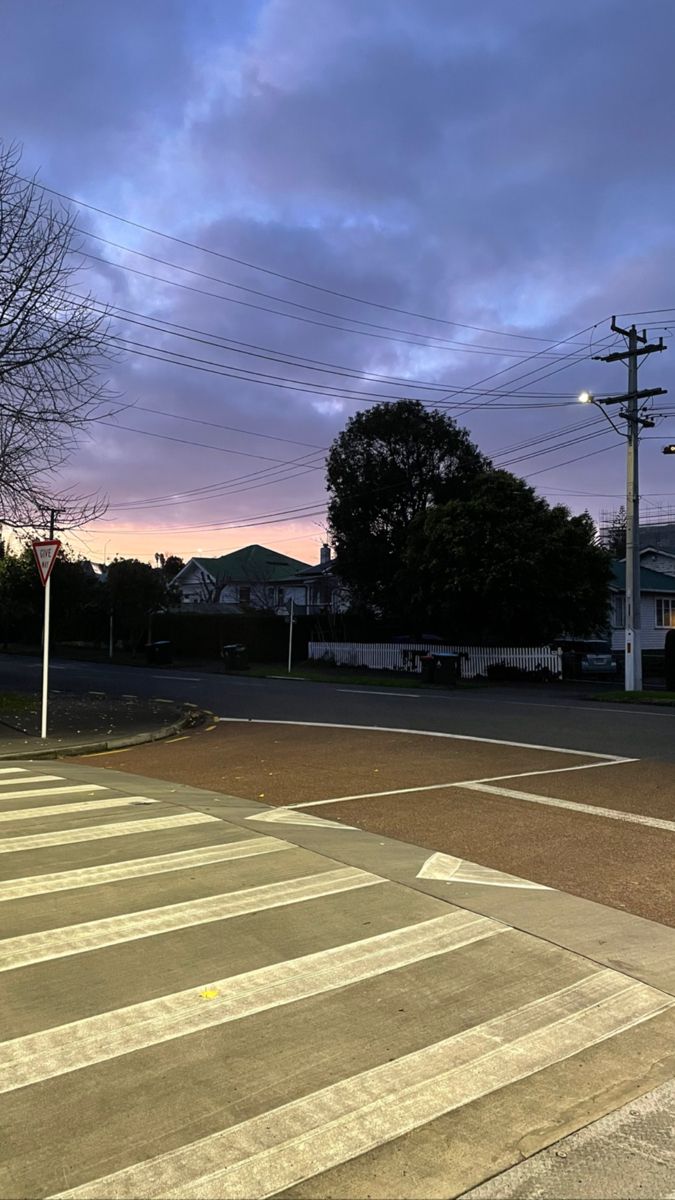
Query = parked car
x=587 y=658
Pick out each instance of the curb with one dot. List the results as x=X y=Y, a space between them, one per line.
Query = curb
x=192 y=717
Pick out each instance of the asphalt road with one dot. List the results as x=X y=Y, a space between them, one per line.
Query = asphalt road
x=562 y=716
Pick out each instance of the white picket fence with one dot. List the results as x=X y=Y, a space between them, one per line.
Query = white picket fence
x=389 y=656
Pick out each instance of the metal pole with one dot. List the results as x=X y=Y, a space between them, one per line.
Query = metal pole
x=45 y=660
x=290 y=637
x=633 y=674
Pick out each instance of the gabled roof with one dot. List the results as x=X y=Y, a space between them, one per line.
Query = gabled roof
x=251 y=564
x=650 y=581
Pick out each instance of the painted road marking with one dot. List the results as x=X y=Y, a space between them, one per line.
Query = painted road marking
x=38 y=1056
x=179 y=678
x=458 y=870
x=29 y=779
x=456 y=737
x=91 y=833
x=12 y=770
x=433 y=787
x=92 y=806
x=109 y=931
x=369 y=692
x=288 y=816
x=275 y=1150
x=53 y=791
x=137 y=868
x=184 y=738
x=589 y=809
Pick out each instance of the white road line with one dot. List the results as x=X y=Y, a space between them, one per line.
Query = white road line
x=51 y=1052
x=456 y=737
x=53 y=791
x=110 y=931
x=91 y=833
x=591 y=810
x=90 y=806
x=12 y=770
x=271 y=1152
x=137 y=868
x=30 y=779
x=458 y=870
x=288 y=816
x=369 y=692
x=180 y=678
x=433 y=787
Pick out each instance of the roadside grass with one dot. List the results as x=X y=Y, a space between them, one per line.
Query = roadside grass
x=666 y=699
x=312 y=674
x=14 y=702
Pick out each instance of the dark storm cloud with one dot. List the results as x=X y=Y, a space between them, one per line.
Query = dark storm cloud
x=507 y=165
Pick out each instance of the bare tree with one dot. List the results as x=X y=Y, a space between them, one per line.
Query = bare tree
x=53 y=344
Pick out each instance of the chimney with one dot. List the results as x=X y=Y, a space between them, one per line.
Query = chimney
x=325 y=555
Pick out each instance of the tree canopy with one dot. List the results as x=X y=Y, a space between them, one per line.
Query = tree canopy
x=500 y=564
x=390 y=464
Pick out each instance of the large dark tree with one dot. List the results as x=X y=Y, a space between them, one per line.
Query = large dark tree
x=389 y=465
x=502 y=565
x=53 y=341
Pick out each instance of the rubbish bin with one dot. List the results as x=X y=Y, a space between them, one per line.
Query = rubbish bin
x=428 y=662
x=448 y=669
x=234 y=656
x=158 y=654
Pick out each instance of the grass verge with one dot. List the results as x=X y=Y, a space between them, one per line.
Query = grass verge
x=665 y=699
x=15 y=702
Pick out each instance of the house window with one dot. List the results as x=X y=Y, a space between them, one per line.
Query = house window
x=665 y=613
x=245 y=595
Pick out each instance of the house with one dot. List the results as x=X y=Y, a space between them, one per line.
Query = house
x=323 y=589
x=253 y=577
x=657 y=605
x=658 y=560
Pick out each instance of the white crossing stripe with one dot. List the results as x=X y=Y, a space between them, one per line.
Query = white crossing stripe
x=12 y=770
x=53 y=791
x=29 y=779
x=91 y=833
x=591 y=810
x=92 y=806
x=109 y=931
x=51 y=1052
x=275 y=1150
x=136 y=868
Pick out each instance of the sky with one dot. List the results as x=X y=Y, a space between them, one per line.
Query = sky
x=351 y=202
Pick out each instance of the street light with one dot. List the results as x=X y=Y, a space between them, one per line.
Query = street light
x=668 y=449
x=586 y=398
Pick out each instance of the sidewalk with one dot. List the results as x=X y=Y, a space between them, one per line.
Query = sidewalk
x=85 y=723
x=204 y=996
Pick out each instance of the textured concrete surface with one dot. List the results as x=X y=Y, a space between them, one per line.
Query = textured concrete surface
x=630 y=1153
x=211 y=1009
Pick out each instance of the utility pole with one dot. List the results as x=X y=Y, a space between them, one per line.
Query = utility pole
x=636 y=348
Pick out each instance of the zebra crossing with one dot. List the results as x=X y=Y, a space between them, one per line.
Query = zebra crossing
x=193 y=1008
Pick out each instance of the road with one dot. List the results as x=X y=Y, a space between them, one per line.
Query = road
x=556 y=716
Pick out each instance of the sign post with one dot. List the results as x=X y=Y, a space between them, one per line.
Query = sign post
x=45 y=557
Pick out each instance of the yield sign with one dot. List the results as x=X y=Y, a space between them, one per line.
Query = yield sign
x=45 y=557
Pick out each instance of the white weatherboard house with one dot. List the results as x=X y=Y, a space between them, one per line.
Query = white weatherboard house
x=262 y=579
x=657 y=605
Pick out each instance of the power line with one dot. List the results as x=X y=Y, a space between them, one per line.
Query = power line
x=272 y=273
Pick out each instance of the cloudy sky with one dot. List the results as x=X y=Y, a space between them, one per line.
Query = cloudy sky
x=351 y=199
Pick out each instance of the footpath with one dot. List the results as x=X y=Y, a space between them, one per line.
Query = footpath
x=205 y=996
